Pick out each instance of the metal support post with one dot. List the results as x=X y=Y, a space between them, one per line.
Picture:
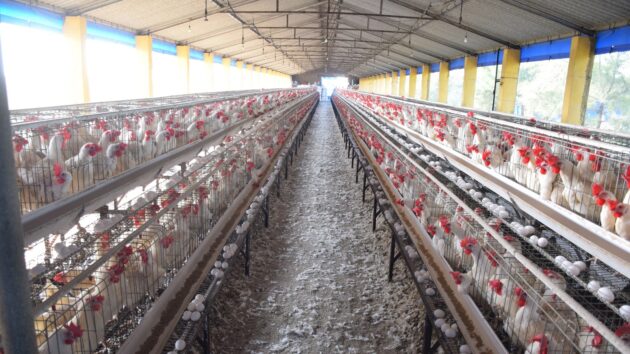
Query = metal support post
x=393 y=257
x=16 y=316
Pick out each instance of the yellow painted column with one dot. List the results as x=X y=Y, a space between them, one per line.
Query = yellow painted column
x=413 y=75
x=578 y=80
x=144 y=45
x=394 y=84
x=426 y=77
x=208 y=60
x=239 y=66
x=249 y=76
x=401 y=82
x=470 y=79
x=183 y=62
x=443 y=83
x=75 y=31
x=509 y=80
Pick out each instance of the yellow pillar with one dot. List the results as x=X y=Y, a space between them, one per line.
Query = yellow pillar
x=183 y=61
x=443 y=83
x=426 y=77
x=75 y=31
x=578 y=80
x=208 y=60
x=470 y=79
x=239 y=66
x=248 y=76
x=401 y=82
x=144 y=45
x=413 y=75
x=509 y=80
x=394 y=84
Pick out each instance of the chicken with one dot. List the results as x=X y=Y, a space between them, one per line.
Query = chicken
x=547 y=174
x=608 y=203
x=42 y=185
x=25 y=156
x=55 y=149
x=108 y=137
x=485 y=266
x=622 y=224
x=106 y=164
x=149 y=147
x=576 y=192
x=526 y=322
x=81 y=166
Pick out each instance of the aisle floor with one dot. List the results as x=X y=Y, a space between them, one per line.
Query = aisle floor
x=318 y=281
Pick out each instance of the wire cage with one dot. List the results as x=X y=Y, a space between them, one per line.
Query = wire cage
x=589 y=177
x=92 y=285
x=65 y=150
x=481 y=249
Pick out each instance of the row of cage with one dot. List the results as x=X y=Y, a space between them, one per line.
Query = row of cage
x=522 y=303
x=91 y=285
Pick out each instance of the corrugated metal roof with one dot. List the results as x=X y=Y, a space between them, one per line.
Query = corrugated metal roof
x=365 y=29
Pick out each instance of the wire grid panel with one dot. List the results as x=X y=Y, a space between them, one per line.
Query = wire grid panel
x=517 y=304
x=133 y=265
x=590 y=180
x=58 y=159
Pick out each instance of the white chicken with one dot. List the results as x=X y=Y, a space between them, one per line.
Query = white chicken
x=81 y=166
x=43 y=184
x=622 y=224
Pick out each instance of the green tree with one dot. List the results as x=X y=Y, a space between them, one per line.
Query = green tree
x=609 y=94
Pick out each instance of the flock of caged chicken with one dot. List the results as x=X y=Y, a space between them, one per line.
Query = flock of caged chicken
x=532 y=314
x=185 y=206
x=588 y=181
x=56 y=160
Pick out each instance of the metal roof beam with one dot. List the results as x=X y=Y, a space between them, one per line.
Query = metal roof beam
x=544 y=13
x=80 y=10
x=439 y=17
x=341 y=13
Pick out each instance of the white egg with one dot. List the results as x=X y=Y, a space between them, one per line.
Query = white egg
x=450 y=333
x=439 y=313
x=533 y=239
x=478 y=195
x=520 y=231
x=454 y=326
x=445 y=327
x=465 y=349
x=225 y=265
x=430 y=291
x=186 y=315
x=580 y=265
x=217 y=264
x=200 y=306
x=593 y=285
x=501 y=208
x=485 y=200
x=573 y=270
x=172 y=352
x=439 y=322
x=517 y=225
x=195 y=316
x=606 y=294
x=566 y=264
x=542 y=242
x=624 y=311
x=559 y=259
x=504 y=214
x=192 y=306
x=529 y=229
x=180 y=344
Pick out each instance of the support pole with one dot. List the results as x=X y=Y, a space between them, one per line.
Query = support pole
x=75 y=31
x=402 y=77
x=426 y=78
x=394 y=84
x=183 y=61
x=388 y=84
x=16 y=316
x=144 y=45
x=443 y=83
x=509 y=80
x=208 y=60
x=470 y=80
x=413 y=75
x=578 y=80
